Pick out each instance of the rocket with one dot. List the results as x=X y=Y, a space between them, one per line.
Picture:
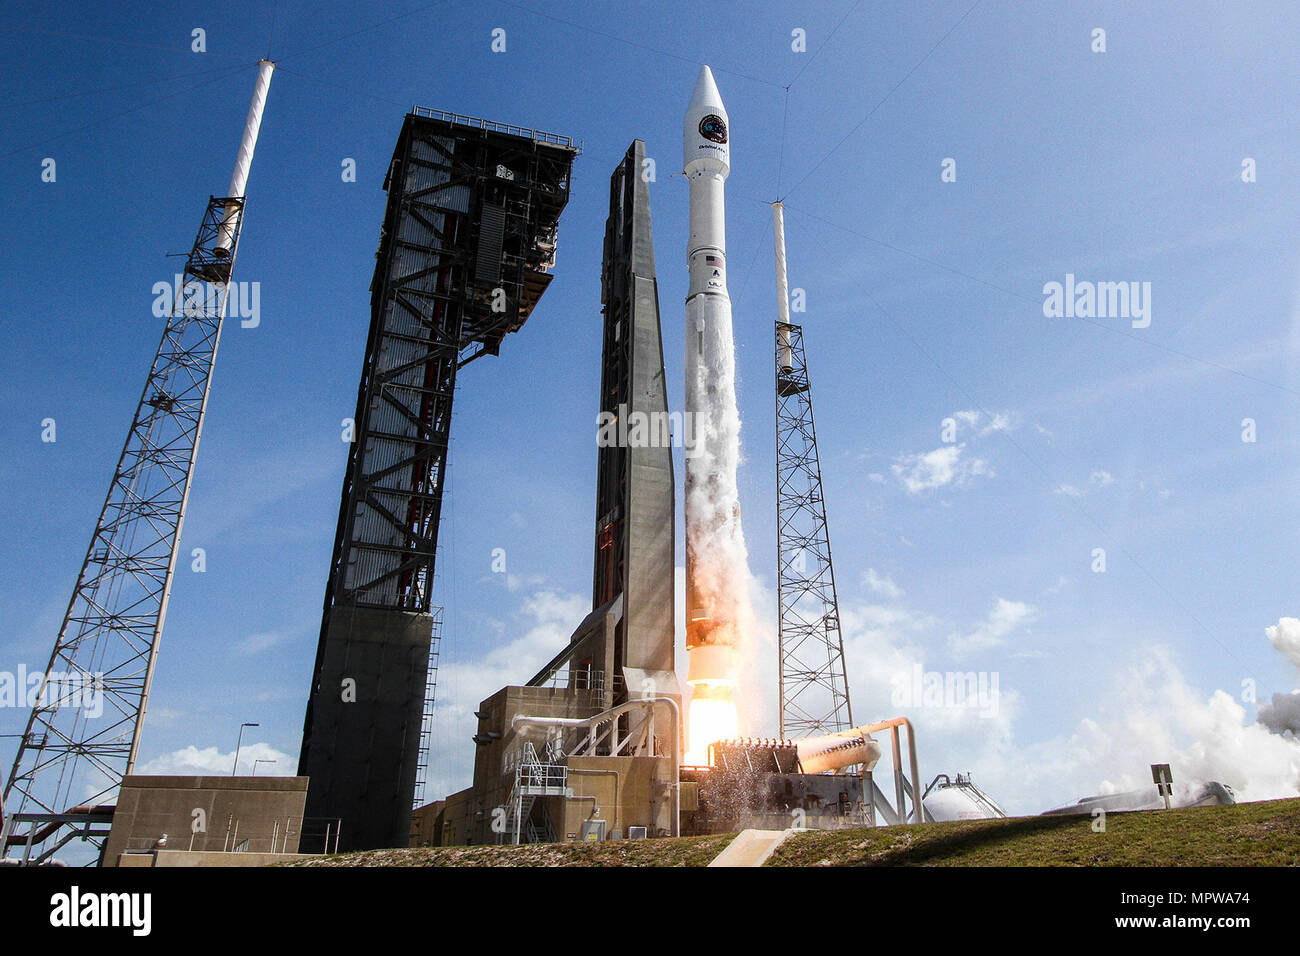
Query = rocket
x=716 y=566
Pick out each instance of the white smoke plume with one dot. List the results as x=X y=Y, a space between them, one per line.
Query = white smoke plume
x=1282 y=714
x=717 y=559
x=1157 y=717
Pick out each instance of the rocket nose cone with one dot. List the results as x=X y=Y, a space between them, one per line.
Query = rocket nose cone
x=705 y=128
x=706 y=92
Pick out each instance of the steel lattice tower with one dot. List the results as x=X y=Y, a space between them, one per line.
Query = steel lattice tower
x=814 y=690
x=70 y=761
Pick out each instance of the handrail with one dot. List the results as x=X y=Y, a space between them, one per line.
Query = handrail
x=476 y=122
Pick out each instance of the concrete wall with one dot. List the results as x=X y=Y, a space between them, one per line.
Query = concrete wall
x=426 y=823
x=469 y=814
x=622 y=791
x=362 y=754
x=230 y=810
x=182 y=858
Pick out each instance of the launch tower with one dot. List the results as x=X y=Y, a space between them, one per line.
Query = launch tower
x=83 y=734
x=465 y=254
x=814 y=690
x=632 y=576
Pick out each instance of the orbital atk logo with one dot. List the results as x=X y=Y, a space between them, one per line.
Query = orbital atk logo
x=714 y=127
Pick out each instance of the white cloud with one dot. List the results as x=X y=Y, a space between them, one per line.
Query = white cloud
x=1285 y=636
x=545 y=620
x=1099 y=478
x=939 y=468
x=986 y=423
x=209 y=761
x=518 y=582
x=259 y=643
x=1005 y=618
x=881 y=584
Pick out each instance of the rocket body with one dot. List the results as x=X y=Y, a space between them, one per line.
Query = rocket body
x=716 y=564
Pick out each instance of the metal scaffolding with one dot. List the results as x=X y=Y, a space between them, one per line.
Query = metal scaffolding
x=465 y=253
x=814 y=690
x=70 y=761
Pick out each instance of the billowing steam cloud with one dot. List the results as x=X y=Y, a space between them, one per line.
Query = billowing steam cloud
x=1213 y=740
x=1282 y=715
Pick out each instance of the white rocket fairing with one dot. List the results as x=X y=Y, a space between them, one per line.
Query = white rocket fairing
x=717 y=573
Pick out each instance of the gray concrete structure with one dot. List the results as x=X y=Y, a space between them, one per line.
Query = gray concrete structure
x=632 y=577
x=367 y=706
x=219 y=815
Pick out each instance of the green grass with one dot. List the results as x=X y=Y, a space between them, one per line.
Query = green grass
x=687 y=851
x=1248 y=834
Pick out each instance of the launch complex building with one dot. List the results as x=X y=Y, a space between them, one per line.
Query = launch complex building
x=591 y=746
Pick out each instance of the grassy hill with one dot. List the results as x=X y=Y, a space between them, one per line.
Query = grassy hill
x=1248 y=834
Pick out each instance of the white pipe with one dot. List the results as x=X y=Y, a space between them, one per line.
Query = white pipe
x=244 y=158
x=782 y=287
x=918 y=807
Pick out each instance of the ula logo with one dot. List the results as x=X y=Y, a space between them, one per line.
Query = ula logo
x=74 y=908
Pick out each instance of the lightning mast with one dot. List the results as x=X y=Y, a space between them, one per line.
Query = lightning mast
x=814 y=690
x=83 y=734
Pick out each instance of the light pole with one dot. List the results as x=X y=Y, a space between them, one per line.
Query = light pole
x=260 y=760
x=239 y=743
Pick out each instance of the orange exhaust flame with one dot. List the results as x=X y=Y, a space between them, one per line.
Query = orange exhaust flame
x=712 y=717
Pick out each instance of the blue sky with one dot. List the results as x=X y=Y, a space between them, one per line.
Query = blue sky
x=924 y=302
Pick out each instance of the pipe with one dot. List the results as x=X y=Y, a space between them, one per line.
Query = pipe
x=849 y=747
x=244 y=158
x=892 y=725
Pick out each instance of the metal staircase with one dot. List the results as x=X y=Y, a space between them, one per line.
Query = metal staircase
x=536 y=777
